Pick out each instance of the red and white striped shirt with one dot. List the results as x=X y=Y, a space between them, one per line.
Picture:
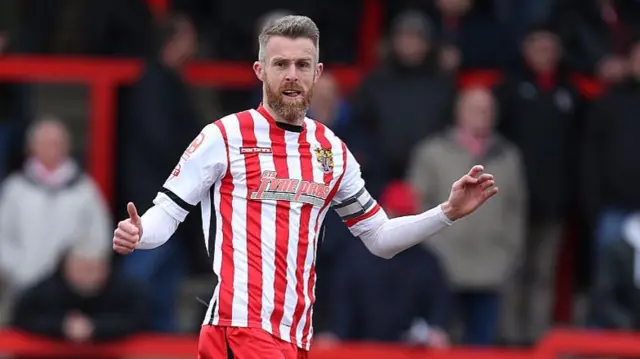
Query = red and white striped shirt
x=270 y=188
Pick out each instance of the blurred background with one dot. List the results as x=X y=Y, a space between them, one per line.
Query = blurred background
x=98 y=99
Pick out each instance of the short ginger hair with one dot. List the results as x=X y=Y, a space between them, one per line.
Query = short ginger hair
x=291 y=26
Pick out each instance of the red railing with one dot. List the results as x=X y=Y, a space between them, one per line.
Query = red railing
x=558 y=342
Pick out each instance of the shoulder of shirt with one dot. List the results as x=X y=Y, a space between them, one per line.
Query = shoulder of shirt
x=331 y=136
x=233 y=119
x=214 y=127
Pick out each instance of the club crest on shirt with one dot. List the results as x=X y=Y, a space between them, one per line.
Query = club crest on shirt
x=325 y=158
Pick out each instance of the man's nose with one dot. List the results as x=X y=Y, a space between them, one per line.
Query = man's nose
x=292 y=74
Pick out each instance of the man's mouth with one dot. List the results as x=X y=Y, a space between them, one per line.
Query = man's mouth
x=291 y=93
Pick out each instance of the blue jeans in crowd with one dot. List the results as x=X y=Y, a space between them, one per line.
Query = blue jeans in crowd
x=608 y=229
x=609 y=226
x=480 y=316
x=160 y=273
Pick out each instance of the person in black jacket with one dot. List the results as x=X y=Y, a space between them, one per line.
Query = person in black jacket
x=610 y=165
x=616 y=293
x=407 y=98
x=82 y=302
x=159 y=121
x=539 y=113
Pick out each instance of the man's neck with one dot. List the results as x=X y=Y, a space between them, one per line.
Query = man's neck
x=296 y=122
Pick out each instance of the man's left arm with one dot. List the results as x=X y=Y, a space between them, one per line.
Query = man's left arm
x=365 y=218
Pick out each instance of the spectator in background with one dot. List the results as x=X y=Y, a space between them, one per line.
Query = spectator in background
x=472 y=34
x=478 y=254
x=598 y=34
x=118 y=28
x=408 y=97
x=616 y=294
x=540 y=113
x=610 y=161
x=520 y=14
x=404 y=299
x=160 y=120
x=14 y=115
x=46 y=209
x=81 y=302
x=5 y=120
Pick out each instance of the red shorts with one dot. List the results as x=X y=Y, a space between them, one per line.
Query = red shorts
x=218 y=342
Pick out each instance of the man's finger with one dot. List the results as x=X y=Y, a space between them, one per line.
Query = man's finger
x=487 y=184
x=124 y=244
x=469 y=180
x=126 y=235
x=128 y=227
x=121 y=249
x=475 y=170
x=485 y=177
x=133 y=213
x=491 y=192
x=132 y=238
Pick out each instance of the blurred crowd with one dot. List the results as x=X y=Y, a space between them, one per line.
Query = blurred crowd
x=562 y=156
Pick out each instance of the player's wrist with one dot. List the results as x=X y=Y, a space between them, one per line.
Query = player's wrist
x=449 y=211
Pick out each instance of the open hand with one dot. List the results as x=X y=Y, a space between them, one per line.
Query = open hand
x=128 y=233
x=469 y=192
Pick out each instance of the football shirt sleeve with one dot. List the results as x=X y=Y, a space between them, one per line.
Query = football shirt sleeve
x=365 y=218
x=353 y=203
x=202 y=164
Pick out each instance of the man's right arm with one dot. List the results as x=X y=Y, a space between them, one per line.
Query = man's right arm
x=202 y=164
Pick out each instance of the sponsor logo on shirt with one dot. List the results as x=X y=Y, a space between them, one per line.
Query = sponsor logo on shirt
x=245 y=150
x=289 y=189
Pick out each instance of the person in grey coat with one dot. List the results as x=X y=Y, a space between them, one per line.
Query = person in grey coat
x=479 y=255
x=48 y=208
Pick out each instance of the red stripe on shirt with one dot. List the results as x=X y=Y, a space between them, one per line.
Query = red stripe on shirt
x=225 y=302
x=283 y=208
x=353 y=221
x=253 y=219
x=328 y=177
x=306 y=165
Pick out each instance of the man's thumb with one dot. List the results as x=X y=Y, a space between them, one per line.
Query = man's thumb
x=133 y=213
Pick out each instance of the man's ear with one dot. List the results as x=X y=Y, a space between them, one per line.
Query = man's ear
x=259 y=70
x=319 y=70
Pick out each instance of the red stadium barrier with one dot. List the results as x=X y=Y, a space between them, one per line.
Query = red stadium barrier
x=557 y=343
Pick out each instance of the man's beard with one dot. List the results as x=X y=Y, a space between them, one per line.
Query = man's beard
x=289 y=110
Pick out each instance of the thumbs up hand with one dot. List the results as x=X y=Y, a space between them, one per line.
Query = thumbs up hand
x=128 y=233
